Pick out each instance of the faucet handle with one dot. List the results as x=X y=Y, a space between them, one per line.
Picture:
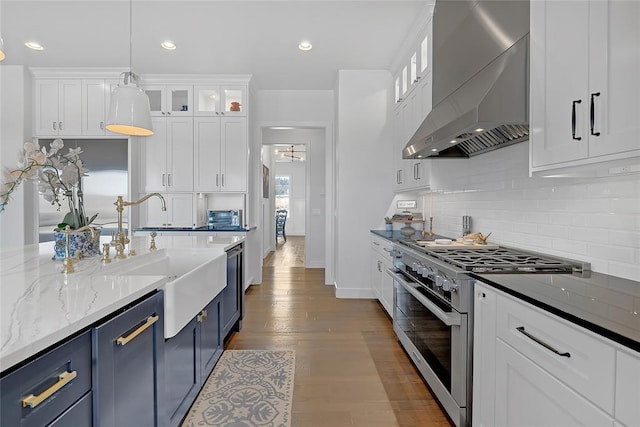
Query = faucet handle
x=153 y=241
x=120 y=251
x=105 y=253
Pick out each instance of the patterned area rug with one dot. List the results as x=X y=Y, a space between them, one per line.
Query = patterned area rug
x=246 y=388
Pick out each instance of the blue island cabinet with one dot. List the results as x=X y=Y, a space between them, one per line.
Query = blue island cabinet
x=128 y=357
x=189 y=359
x=54 y=389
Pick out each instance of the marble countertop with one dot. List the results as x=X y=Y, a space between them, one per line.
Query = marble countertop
x=40 y=305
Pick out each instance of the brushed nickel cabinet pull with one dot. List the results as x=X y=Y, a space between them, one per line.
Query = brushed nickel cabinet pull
x=542 y=343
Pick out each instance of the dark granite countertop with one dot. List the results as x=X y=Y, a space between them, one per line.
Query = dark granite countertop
x=604 y=304
x=396 y=235
x=196 y=229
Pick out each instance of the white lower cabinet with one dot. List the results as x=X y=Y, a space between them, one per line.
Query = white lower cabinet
x=381 y=282
x=628 y=388
x=527 y=395
x=532 y=368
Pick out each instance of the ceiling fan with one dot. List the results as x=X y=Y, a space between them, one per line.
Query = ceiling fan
x=290 y=154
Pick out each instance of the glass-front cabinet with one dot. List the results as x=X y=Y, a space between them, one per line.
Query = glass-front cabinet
x=220 y=100
x=170 y=100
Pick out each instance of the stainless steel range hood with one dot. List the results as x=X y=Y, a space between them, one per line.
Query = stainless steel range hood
x=480 y=79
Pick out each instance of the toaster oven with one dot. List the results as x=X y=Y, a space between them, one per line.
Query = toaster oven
x=224 y=219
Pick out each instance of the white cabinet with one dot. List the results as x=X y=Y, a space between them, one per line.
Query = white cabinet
x=96 y=97
x=523 y=354
x=221 y=154
x=58 y=105
x=484 y=368
x=527 y=395
x=170 y=100
x=220 y=100
x=628 y=388
x=167 y=155
x=413 y=102
x=179 y=211
x=584 y=84
x=381 y=282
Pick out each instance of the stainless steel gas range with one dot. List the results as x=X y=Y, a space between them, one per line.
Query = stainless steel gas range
x=433 y=309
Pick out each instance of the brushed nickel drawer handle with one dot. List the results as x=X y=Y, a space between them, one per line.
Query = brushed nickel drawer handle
x=542 y=343
x=126 y=340
x=63 y=379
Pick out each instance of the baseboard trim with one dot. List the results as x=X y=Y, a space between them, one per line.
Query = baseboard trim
x=354 y=293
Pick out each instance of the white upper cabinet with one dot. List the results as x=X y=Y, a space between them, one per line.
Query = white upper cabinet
x=411 y=104
x=221 y=154
x=220 y=100
x=168 y=155
x=584 y=83
x=96 y=97
x=58 y=105
x=170 y=100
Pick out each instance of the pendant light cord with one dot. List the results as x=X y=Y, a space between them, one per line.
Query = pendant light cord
x=130 y=36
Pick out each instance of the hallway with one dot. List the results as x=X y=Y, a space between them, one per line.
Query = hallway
x=350 y=369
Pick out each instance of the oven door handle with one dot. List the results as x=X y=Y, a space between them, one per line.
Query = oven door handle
x=449 y=319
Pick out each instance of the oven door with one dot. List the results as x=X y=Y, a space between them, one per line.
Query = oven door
x=438 y=341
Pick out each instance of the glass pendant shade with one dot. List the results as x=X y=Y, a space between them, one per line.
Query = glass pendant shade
x=129 y=111
x=1 y=49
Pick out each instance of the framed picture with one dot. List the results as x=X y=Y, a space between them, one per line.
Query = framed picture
x=265 y=182
x=407 y=204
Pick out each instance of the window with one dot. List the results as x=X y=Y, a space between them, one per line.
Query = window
x=414 y=68
x=282 y=192
x=424 y=54
x=404 y=80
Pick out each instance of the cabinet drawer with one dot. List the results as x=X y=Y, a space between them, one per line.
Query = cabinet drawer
x=585 y=363
x=381 y=246
x=628 y=388
x=37 y=393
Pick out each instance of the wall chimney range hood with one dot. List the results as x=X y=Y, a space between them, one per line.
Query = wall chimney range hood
x=480 y=79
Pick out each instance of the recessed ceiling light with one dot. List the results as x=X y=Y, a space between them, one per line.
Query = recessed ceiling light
x=305 y=45
x=281 y=127
x=479 y=130
x=434 y=149
x=453 y=141
x=168 y=44
x=34 y=45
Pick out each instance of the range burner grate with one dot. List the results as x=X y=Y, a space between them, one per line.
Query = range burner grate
x=500 y=260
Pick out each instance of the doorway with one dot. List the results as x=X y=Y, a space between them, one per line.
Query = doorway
x=295 y=160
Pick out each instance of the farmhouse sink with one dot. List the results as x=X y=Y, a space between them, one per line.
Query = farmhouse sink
x=194 y=277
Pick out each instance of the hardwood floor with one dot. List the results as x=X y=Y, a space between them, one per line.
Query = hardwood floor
x=350 y=369
x=287 y=254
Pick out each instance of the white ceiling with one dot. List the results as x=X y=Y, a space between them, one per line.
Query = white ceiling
x=213 y=37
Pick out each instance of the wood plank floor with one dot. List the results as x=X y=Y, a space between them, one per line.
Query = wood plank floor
x=350 y=369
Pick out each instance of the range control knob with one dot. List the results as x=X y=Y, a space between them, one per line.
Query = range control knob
x=449 y=285
x=414 y=266
x=426 y=272
x=439 y=281
x=420 y=269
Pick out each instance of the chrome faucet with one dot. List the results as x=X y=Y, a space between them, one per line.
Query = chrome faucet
x=120 y=240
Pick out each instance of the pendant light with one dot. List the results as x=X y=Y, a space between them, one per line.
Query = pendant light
x=129 y=111
x=2 y=56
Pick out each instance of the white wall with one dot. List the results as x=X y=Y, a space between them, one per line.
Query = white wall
x=18 y=223
x=589 y=219
x=297 y=173
x=364 y=171
x=307 y=109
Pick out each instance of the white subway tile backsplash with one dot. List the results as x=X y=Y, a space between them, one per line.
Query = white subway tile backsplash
x=622 y=254
x=596 y=220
